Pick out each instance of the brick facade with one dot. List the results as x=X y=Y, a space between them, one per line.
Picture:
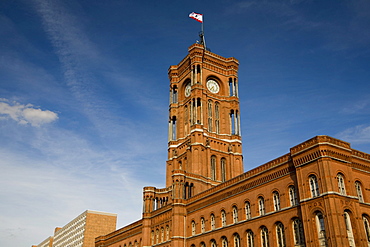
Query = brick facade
x=318 y=194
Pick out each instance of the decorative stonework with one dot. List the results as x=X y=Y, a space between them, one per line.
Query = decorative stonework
x=319 y=140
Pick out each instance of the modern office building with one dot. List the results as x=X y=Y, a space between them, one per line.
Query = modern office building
x=46 y=243
x=82 y=230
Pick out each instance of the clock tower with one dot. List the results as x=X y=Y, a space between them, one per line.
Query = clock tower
x=204 y=145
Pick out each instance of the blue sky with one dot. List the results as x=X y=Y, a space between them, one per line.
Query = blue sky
x=84 y=94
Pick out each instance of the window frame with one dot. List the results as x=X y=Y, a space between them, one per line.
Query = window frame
x=247 y=208
x=264 y=236
x=341 y=184
x=223 y=218
x=235 y=214
x=366 y=223
x=261 y=206
x=250 y=238
x=314 y=186
x=202 y=225
x=358 y=187
x=298 y=234
x=276 y=200
x=280 y=235
x=293 y=196
x=213 y=222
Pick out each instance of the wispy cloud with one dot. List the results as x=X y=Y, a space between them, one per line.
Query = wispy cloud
x=25 y=114
x=58 y=177
x=356 y=107
x=359 y=134
x=73 y=48
x=85 y=69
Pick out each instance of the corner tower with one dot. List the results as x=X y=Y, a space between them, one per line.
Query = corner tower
x=204 y=145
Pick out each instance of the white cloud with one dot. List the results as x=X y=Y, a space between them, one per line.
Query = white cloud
x=356 y=107
x=26 y=114
x=359 y=134
x=52 y=181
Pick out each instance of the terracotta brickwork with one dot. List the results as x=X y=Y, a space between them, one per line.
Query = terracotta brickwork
x=318 y=194
x=190 y=220
x=97 y=224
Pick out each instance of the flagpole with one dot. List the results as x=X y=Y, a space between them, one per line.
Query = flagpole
x=199 y=18
x=203 y=40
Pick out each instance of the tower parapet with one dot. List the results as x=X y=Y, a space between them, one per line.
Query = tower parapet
x=204 y=140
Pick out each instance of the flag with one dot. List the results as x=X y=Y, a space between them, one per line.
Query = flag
x=197 y=17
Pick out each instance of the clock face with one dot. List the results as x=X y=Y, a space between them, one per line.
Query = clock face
x=213 y=86
x=187 y=90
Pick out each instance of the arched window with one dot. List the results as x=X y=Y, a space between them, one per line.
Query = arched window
x=314 y=186
x=152 y=237
x=202 y=244
x=198 y=73
x=162 y=234
x=236 y=240
x=210 y=118
x=348 y=224
x=202 y=225
x=224 y=241
x=292 y=196
x=174 y=94
x=213 y=222
x=157 y=203
x=250 y=239
x=235 y=214
x=248 y=210
x=234 y=122
x=186 y=119
x=320 y=225
x=191 y=190
x=213 y=167
x=193 y=228
x=173 y=128
x=223 y=169
x=367 y=228
x=217 y=117
x=167 y=233
x=231 y=87
x=223 y=218
x=359 y=191
x=264 y=237
x=280 y=235
x=199 y=108
x=276 y=198
x=341 y=186
x=157 y=236
x=298 y=232
x=261 y=205
x=213 y=243
x=186 y=190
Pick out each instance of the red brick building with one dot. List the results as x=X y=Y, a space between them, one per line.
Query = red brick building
x=315 y=195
